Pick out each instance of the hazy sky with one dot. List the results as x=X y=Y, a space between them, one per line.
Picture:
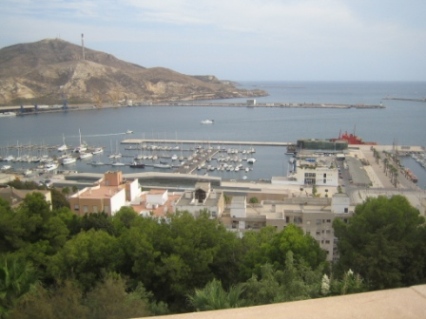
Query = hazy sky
x=238 y=39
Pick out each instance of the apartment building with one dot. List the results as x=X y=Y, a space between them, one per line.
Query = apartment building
x=314 y=215
x=110 y=194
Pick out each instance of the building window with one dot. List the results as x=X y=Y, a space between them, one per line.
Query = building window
x=318 y=221
x=85 y=209
x=327 y=241
x=318 y=233
x=324 y=181
x=106 y=209
x=325 y=176
x=346 y=209
x=76 y=207
x=328 y=220
x=95 y=209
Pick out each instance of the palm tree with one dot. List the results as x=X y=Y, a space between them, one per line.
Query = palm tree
x=17 y=277
x=385 y=164
x=213 y=297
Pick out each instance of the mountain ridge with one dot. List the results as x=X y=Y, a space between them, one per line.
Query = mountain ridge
x=52 y=70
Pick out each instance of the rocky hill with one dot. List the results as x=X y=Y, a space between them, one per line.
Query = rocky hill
x=52 y=70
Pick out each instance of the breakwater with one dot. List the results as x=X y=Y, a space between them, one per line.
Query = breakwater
x=30 y=109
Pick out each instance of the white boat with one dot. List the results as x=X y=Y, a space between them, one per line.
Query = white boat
x=129 y=132
x=174 y=157
x=98 y=150
x=118 y=164
x=9 y=158
x=162 y=166
x=82 y=147
x=64 y=146
x=6 y=167
x=68 y=160
x=7 y=114
x=97 y=163
x=84 y=155
x=251 y=160
x=50 y=167
x=207 y=121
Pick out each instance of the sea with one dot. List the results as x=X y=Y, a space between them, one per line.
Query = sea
x=400 y=122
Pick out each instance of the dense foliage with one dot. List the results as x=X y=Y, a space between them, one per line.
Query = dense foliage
x=384 y=242
x=95 y=266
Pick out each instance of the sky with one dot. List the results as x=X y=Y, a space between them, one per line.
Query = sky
x=240 y=40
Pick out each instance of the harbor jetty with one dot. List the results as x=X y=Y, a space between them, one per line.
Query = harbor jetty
x=34 y=109
x=199 y=142
x=405 y=99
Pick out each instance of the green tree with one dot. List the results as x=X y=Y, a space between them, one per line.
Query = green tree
x=34 y=231
x=213 y=297
x=123 y=219
x=381 y=242
x=255 y=246
x=59 y=199
x=108 y=299
x=62 y=301
x=17 y=277
x=304 y=248
x=86 y=257
x=292 y=282
x=97 y=221
x=253 y=200
x=350 y=283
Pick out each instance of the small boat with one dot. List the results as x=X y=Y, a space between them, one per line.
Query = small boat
x=251 y=160
x=162 y=166
x=174 y=157
x=97 y=150
x=28 y=172
x=137 y=165
x=207 y=121
x=7 y=114
x=84 y=155
x=50 y=167
x=64 y=146
x=118 y=164
x=6 y=167
x=68 y=160
x=97 y=163
x=129 y=132
x=82 y=147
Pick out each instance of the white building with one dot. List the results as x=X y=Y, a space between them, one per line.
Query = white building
x=203 y=197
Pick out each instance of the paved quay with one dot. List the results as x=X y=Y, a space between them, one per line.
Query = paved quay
x=211 y=142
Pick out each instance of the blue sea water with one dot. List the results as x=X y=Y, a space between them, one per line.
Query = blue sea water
x=400 y=122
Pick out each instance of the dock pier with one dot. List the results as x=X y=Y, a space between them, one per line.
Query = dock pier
x=203 y=142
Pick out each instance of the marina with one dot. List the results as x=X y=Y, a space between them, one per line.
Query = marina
x=163 y=137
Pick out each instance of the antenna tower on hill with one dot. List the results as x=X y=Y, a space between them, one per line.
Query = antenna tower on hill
x=82 y=45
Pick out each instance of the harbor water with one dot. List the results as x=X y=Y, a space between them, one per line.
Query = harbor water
x=400 y=123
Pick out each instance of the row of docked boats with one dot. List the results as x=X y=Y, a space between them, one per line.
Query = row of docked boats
x=420 y=158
